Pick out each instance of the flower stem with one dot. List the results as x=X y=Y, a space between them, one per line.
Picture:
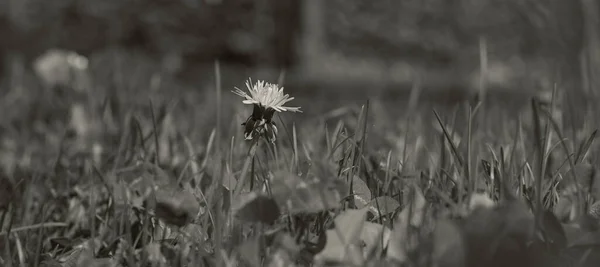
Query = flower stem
x=249 y=159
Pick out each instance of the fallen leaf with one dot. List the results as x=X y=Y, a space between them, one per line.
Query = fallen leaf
x=296 y=195
x=553 y=230
x=6 y=191
x=497 y=236
x=280 y=258
x=594 y=210
x=361 y=192
x=582 y=256
x=229 y=182
x=176 y=206
x=565 y=209
x=249 y=251
x=255 y=207
x=480 y=200
x=413 y=216
x=577 y=236
x=343 y=240
x=285 y=241
x=154 y=255
x=194 y=233
x=381 y=206
x=449 y=248
x=375 y=238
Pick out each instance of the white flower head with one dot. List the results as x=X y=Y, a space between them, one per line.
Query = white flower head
x=63 y=68
x=267 y=95
x=266 y=99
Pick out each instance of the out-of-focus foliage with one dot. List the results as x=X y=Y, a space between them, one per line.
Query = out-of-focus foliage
x=447 y=30
x=530 y=45
x=265 y=30
x=206 y=30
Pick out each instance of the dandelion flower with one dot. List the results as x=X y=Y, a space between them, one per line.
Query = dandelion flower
x=267 y=95
x=266 y=98
x=63 y=68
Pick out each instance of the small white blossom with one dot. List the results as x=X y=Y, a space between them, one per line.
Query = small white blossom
x=63 y=68
x=267 y=95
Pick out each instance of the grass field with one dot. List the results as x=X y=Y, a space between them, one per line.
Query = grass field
x=143 y=171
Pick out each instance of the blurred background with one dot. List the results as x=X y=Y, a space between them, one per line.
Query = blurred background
x=114 y=81
x=386 y=42
x=350 y=49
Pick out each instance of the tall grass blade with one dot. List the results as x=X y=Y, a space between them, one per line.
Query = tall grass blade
x=453 y=146
x=584 y=148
